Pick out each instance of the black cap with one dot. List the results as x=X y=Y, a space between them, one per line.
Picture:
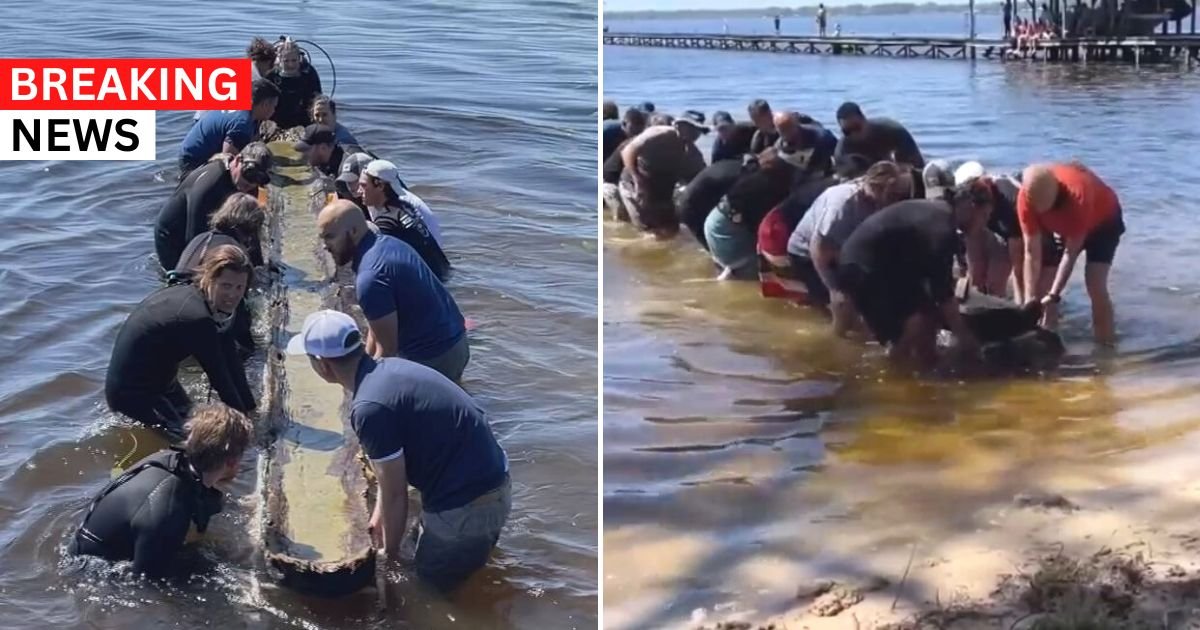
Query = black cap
x=315 y=134
x=722 y=119
x=647 y=107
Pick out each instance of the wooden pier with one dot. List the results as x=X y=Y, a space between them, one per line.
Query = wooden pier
x=1155 y=49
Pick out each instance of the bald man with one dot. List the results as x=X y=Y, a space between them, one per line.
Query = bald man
x=410 y=314
x=805 y=144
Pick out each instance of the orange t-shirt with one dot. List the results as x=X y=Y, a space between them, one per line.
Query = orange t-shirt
x=1087 y=204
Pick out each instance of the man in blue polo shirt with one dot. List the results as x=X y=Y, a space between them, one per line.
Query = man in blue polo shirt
x=416 y=427
x=409 y=312
x=227 y=131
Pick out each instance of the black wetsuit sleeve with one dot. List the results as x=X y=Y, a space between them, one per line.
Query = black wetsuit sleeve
x=204 y=198
x=209 y=350
x=233 y=361
x=160 y=528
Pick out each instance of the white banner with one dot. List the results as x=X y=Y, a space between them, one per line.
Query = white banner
x=77 y=135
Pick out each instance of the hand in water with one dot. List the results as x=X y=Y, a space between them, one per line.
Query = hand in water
x=375 y=528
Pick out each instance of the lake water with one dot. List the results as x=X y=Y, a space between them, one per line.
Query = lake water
x=745 y=449
x=489 y=110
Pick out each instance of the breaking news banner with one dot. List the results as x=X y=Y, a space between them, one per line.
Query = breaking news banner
x=104 y=109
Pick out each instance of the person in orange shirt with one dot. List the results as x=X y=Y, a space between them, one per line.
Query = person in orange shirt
x=1073 y=202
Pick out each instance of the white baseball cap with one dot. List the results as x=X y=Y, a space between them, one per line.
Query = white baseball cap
x=326 y=334
x=967 y=172
x=385 y=170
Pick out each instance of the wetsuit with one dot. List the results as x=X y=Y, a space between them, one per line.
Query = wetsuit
x=295 y=95
x=704 y=192
x=187 y=212
x=144 y=515
x=737 y=145
x=403 y=221
x=193 y=257
x=166 y=328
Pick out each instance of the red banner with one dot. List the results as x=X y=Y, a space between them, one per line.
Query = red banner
x=124 y=84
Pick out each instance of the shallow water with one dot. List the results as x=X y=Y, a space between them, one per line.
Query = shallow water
x=489 y=112
x=744 y=448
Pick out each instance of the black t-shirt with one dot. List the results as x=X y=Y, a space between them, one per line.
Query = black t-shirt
x=295 y=96
x=801 y=199
x=614 y=136
x=883 y=139
x=1003 y=221
x=738 y=145
x=703 y=192
x=907 y=244
x=405 y=223
x=186 y=213
x=146 y=517
x=763 y=141
x=759 y=190
x=614 y=165
x=166 y=328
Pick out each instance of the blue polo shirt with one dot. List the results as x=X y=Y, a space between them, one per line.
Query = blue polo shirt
x=404 y=408
x=208 y=135
x=390 y=277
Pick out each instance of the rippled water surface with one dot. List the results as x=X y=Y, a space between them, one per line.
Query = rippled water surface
x=741 y=442
x=488 y=108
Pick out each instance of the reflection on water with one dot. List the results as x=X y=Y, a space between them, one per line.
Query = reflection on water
x=746 y=450
x=414 y=81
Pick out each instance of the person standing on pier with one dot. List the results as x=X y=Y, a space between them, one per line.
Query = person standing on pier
x=776 y=26
x=821 y=20
x=1008 y=12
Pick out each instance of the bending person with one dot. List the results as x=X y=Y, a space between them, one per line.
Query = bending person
x=409 y=312
x=171 y=325
x=298 y=84
x=416 y=427
x=145 y=514
x=1073 y=202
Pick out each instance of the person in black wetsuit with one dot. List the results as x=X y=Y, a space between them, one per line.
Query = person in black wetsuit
x=298 y=84
x=238 y=223
x=400 y=214
x=186 y=214
x=320 y=147
x=172 y=324
x=145 y=514
x=733 y=138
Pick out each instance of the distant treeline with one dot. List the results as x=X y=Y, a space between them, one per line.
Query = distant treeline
x=886 y=8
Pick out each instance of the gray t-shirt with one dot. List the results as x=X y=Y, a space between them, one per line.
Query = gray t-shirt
x=833 y=216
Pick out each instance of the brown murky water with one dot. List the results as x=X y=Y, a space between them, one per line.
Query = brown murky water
x=747 y=451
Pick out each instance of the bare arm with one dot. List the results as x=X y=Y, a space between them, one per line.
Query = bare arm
x=1016 y=256
x=824 y=255
x=977 y=259
x=384 y=332
x=629 y=154
x=391 y=505
x=1033 y=266
x=1074 y=247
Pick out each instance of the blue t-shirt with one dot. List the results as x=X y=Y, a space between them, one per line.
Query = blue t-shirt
x=390 y=278
x=404 y=408
x=208 y=135
x=343 y=136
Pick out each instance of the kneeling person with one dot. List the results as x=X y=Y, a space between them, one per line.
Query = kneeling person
x=417 y=428
x=144 y=515
x=897 y=269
